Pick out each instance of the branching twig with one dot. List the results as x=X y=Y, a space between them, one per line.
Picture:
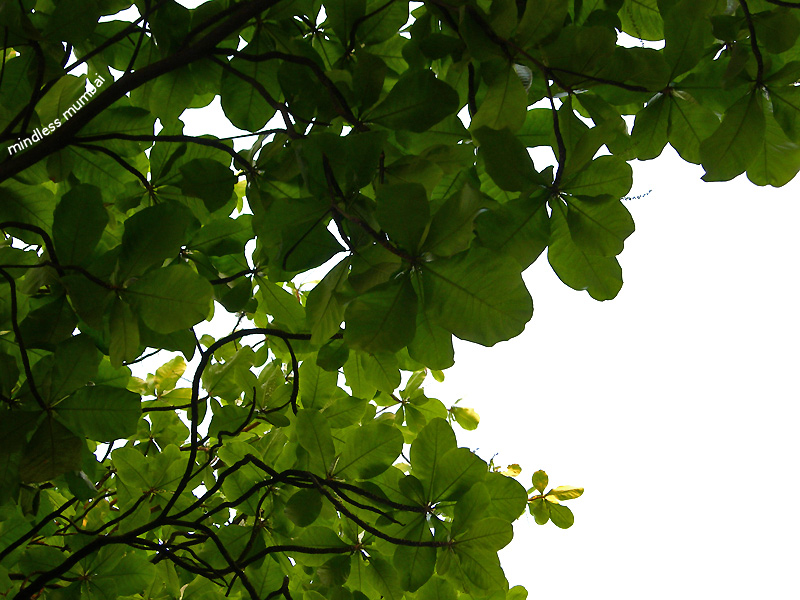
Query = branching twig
x=26 y=363
x=754 y=43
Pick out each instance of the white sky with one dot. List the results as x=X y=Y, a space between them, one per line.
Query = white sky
x=675 y=405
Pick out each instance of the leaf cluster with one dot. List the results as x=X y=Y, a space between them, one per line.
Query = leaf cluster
x=385 y=146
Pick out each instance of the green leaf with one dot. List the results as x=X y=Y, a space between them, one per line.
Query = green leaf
x=689 y=124
x=606 y=175
x=437 y=588
x=492 y=534
x=170 y=94
x=208 y=180
x=540 y=510
x=729 y=150
x=560 y=515
x=151 y=236
x=383 y=577
x=565 y=492
x=506 y=160
x=170 y=299
x=651 y=128
x=75 y=363
x=777 y=160
x=504 y=105
x=124 y=330
x=303 y=507
x=687 y=32
x=432 y=443
x=243 y=103
x=369 y=450
x=416 y=102
x=599 y=225
x=101 y=413
x=457 y=471
x=27 y=204
x=415 y=564
x=281 y=304
x=641 y=19
x=481 y=567
x=78 y=223
x=466 y=417
x=478 y=296
x=539 y=480
x=432 y=344
x=314 y=435
x=520 y=228
x=451 y=229
x=381 y=370
x=542 y=18
x=222 y=236
x=470 y=509
x=52 y=450
x=508 y=496
x=342 y=16
x=324 y=311
x=404 y=213
x=383 y=319
x=601 y=276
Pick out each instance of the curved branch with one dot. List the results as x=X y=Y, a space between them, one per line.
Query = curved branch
x=754 y=43
x=26 y=363
x=243 y=12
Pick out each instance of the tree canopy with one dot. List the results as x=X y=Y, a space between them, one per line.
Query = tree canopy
x=389 y=142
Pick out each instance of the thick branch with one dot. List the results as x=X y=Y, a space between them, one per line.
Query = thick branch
x=131 y=81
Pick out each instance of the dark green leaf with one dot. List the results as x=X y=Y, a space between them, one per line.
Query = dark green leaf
x=101 y=413
x=416 y=102
x=170 y=299
x=383 y=319
x=729 y=150
x=208 y=180
x=78 y=223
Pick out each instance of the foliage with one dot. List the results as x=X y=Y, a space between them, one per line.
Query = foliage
x=306 y=460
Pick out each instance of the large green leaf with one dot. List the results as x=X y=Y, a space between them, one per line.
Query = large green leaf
x=324 y=311
x=170 y=299
x=506 y=160
x=208 y=180
x=151 y=236
x=51 y=451
x=383 y=319
x=600 y=275
x=478 y=296
x=101 y=413
x=432 y=443
x=729 y=150
x=605 y=175
x=416 y=102
x=777 y=160
x=404 y=213
x=369 y=450
x=248 y=106
x=599 y=225
x=491 y=534
x=505 y=103
x=78 y=223
x=415 y=564
x=314 y=435
x=520 y=228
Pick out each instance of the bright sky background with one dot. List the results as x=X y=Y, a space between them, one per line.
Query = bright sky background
x=675 y=405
